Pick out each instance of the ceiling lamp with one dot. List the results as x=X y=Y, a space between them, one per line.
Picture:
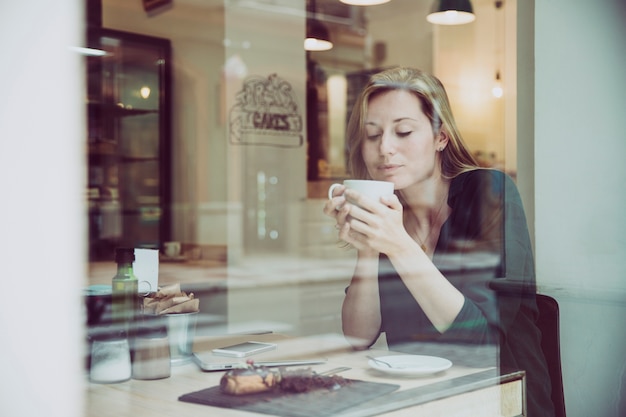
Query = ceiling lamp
x=497 y=89
x=364 y=2
x=317 y=35
x=451 y=12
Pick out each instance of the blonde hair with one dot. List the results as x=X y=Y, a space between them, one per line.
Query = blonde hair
x=455 y=158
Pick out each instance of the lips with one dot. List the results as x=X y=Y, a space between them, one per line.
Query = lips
x=389 y=168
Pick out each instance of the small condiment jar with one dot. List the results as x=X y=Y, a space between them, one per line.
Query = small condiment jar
x=151 y=356
x=110 y=357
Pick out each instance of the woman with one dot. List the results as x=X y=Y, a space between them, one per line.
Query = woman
x=416 y=276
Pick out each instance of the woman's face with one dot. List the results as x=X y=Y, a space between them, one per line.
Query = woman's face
x=400 y=145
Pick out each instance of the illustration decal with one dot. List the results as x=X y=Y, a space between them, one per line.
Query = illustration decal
x=266 y=113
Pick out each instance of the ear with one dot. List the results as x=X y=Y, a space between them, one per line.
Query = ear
x=442 y=140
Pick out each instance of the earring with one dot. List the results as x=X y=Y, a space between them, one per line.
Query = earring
x=440 y=149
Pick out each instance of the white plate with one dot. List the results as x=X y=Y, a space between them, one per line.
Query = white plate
x=411 y=365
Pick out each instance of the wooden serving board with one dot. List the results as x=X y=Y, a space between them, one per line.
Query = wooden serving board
x=316 y=403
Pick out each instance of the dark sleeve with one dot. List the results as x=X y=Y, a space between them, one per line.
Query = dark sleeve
x=484 y=241
x=516 y=286
x=489 y=213
x=470 y=325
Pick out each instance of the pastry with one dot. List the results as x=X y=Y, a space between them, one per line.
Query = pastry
x=255 y=379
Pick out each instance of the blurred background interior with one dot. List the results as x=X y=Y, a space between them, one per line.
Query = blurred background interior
x=162 y=137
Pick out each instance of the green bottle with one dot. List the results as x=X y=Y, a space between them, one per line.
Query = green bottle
x=124 y=294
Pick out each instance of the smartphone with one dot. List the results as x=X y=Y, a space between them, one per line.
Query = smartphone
x=241 y=350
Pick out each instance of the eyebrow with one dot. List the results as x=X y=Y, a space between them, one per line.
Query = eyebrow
x=400 y=119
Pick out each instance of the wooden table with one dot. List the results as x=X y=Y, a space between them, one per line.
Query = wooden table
x=459 y=391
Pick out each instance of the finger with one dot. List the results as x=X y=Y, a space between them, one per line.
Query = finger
x=348 y=235
x=360 y=200
x=339 y=202
x=344 y=232
x=362 y=217
x=329 y=209
x=333 y=206
x=363 y=231
x=337 y=190
x=353 y=238
x=392 y=201
x=343 y=212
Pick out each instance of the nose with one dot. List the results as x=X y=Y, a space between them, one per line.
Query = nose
x=387 y=144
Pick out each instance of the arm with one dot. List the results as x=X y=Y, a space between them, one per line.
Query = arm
x=360 y=315
x=360 y=312
x=438 y=298
x=372 y=227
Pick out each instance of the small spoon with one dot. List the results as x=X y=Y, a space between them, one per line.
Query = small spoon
x=381 y=362
x=335 y=370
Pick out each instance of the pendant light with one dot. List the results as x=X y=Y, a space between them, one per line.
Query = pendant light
x=451 y=12
x=497 y=90
x=364 y=2
x=317 y=35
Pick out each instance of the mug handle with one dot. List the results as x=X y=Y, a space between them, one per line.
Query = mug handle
x=331 y=189
x=149 y=288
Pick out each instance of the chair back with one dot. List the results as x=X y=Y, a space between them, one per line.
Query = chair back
x=548 y=323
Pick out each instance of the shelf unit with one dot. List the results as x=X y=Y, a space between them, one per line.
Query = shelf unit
x=128 y=141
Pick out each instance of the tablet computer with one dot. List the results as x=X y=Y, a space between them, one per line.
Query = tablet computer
x=241 y=350
x=209 y=362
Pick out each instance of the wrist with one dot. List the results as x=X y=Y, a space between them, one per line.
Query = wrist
x=411 y=251
x=367 y=254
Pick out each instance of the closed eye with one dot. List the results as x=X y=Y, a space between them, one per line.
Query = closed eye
x=404 y=134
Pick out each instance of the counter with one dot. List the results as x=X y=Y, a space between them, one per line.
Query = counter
x=459 y=390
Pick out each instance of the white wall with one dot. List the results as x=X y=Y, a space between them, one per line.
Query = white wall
x=580 y=199
x=41 y=215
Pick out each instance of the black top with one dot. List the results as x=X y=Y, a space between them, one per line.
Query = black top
x=484 y=250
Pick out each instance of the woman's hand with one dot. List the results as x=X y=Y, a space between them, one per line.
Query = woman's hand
x=333 y=207
x=374 y=226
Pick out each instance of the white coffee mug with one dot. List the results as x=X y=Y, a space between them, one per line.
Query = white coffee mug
x=172 y=249
x=370 y=188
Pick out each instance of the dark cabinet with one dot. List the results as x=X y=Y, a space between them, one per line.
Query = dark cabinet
x=128 y=141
